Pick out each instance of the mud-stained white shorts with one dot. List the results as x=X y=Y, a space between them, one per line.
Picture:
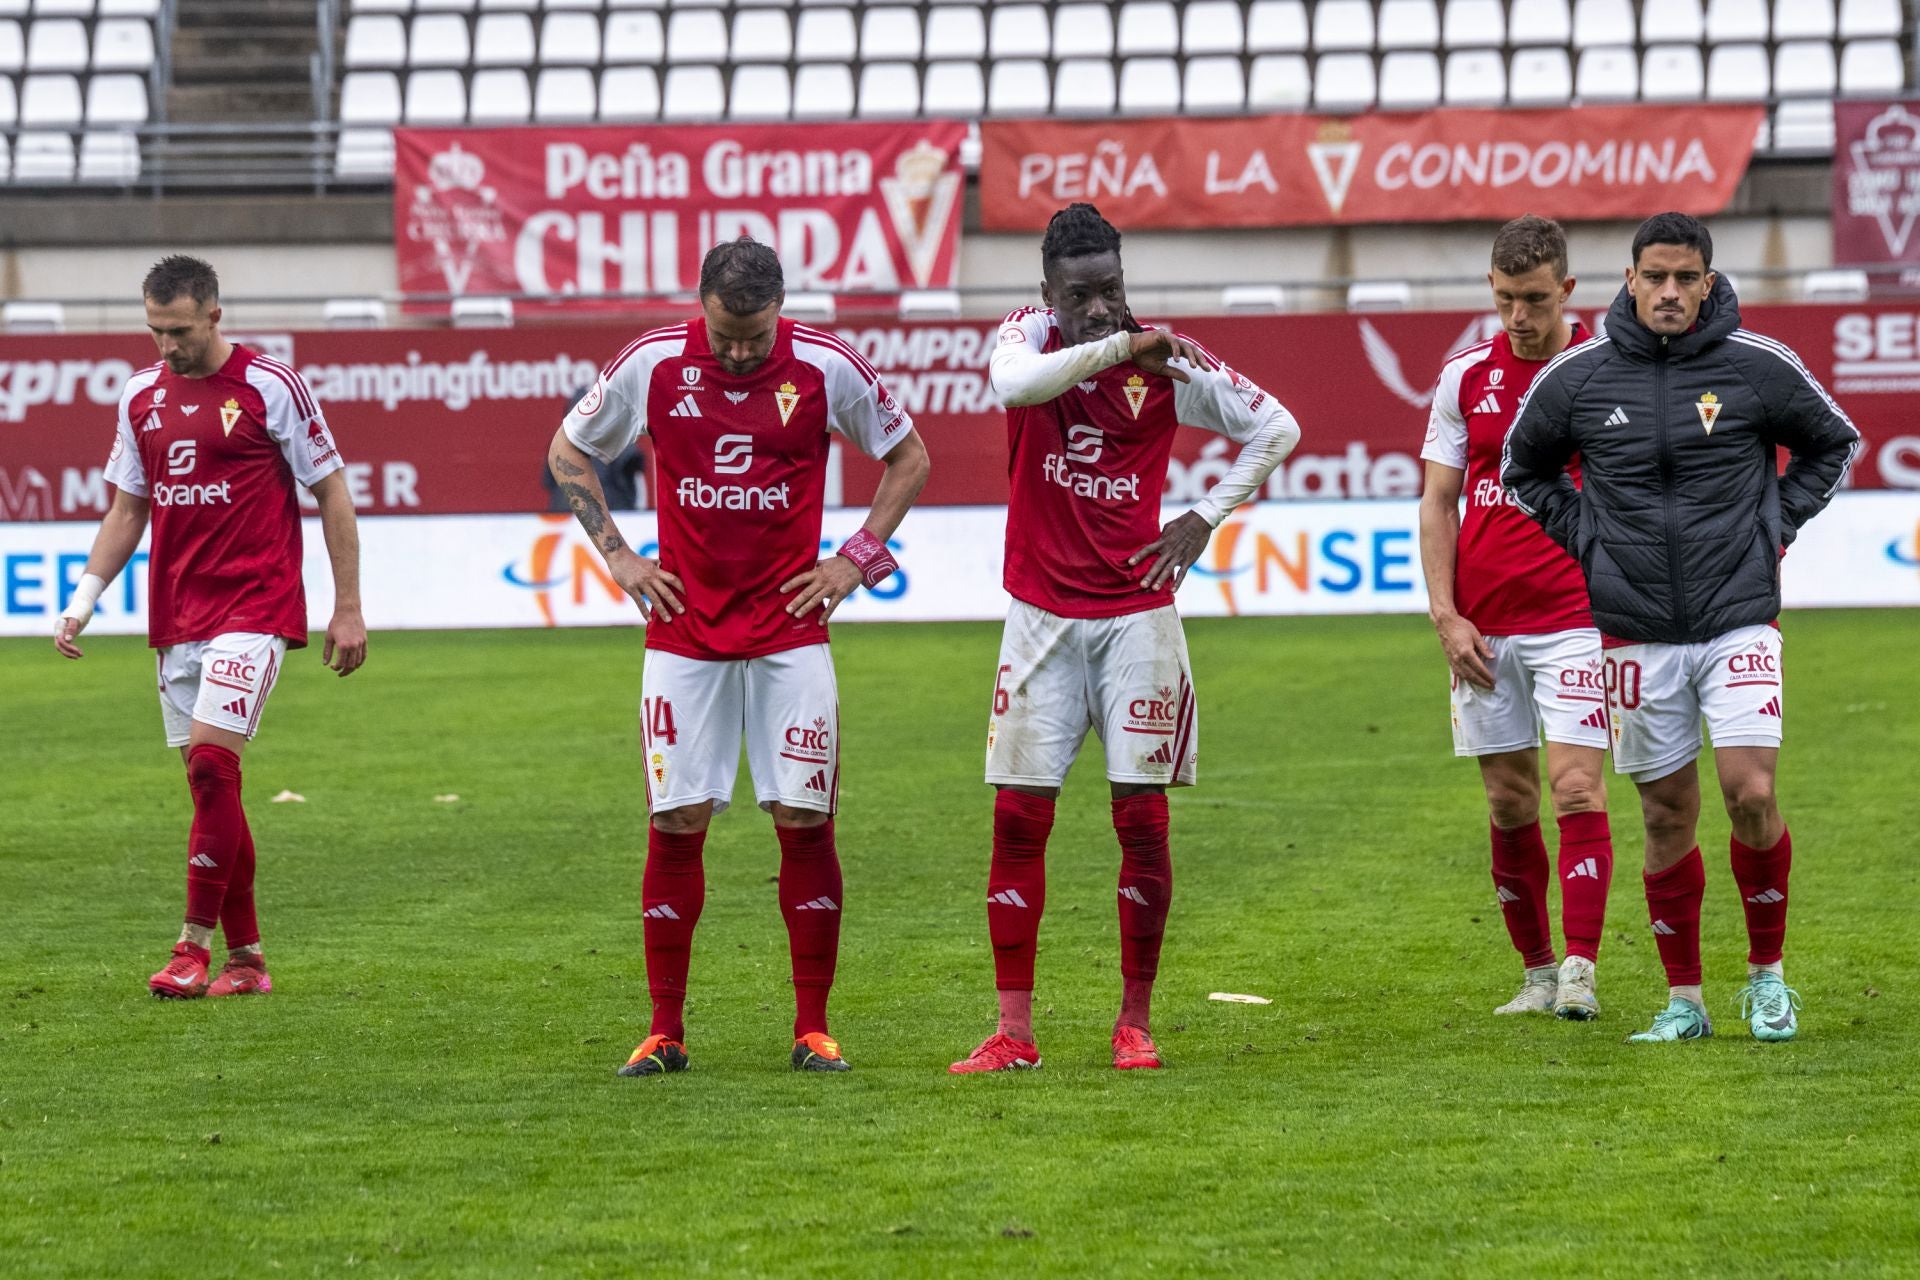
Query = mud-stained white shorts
x=1657 y=695
x=1543 y=685
x=223 y=682
x=1126 y=678
x=693 y=714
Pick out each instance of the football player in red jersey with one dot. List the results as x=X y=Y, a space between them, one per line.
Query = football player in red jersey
x=1511 y=611
x=1092 y=639
x=210 y=444
x=740 y=405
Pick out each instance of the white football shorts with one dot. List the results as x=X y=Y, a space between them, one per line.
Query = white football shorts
x=1657 y=694
x=1542 y=685
x=693 y=713
x=1126 y=678
x=223 y=682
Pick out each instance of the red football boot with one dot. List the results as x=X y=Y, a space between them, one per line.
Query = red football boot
x=998 y=1053
x=185 y=977
x=1133 y=1050
x=242 y=975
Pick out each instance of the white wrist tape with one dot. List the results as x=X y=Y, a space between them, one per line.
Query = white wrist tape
x=84 y=597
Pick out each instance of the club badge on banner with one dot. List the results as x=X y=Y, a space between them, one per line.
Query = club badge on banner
x=1432 y=166
x=1876 y=183
x=578 y=213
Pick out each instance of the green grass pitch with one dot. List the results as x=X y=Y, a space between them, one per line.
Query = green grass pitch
x=430 y=1091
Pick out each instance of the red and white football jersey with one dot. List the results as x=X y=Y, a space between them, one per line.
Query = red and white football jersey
x=218 y=457
x=1087 y=468
x=740 y=472
x=1509 y=578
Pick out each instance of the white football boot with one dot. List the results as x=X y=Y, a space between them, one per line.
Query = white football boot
x=1575 y=1000
x=1536 y=993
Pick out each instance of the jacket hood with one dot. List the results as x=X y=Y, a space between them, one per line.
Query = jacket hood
x=1719 y=316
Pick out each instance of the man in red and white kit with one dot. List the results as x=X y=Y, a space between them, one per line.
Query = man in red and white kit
x=1511 y=611
x=740 y=405
x=210 y=444
x=1092 y=639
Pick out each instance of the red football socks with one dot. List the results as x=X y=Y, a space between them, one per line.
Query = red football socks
x=810 y=903
x=1762 y=877
x=673 y=888
x=1146 y=891
x=1586 y=872
x=213 y=845
x=1673 y=904
x=237 y=918
x=1017 y=885
x=1520 y=879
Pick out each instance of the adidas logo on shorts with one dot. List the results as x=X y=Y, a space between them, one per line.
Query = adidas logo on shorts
x=1772 y=708
x=1596 y=720
x=1162 y=755
x=1008 y=898
x=238 y=707
x=818 y=782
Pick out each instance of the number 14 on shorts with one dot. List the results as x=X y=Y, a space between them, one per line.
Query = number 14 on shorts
x=656 y=722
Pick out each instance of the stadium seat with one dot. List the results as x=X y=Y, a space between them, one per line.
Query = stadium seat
x=1409 y=24
x=1409 y=80
x=114 y=100
x=953 y=88
x=1803 y=125
x=696 y=35
x=14 y=8
x=1279 y=81
x=1869 y=18
x=1730 y=20
x=1018 y=31
x=629 y=94
x=1804 y=68
x=482 y=313
x=1602 y=23
x=592 y=6
x=436 y=97
x=1379 y=295
x=109 y=155
x=1147 y=26
x=1251 y=299
x=694 y=93
x=9 y=103
x=1149 y=87
x=1343 y=82
x=1277 y=26
x=890 y=33
x=1535 y=22
x=959 y=32
x=1872 y=66
x=1082 y=31
x=809 y=308
x=49 y=101
x=1342 y=24
x=63 y=8
x=571 y=40
x=1834 y=286
x=354 y=313
x=13 y=46
x=376 y=40
x=364 y=153
x=1019 y=87
x=1474 y=24
x=1672 y=73
x=503 y=40
x=826 y=35
x=1672 y=22
x=6 y=159
x=760 y=92
x=823 y=92
x=33 y=317
x=55 y=44
x=1803 y=19
x=930 y=304
x=122 y=44
x=1540 y=77
x=759 y=35
x=889 y=89
x=381 y=6
x=1213 y=85
x=129 y=8
x=1607 y=75
x=1475 y=78
x=1210 y=26
x=370 y=97
x=1084 y=86
x=43 y=157
x=443 y=6
x=439 y=40
x=501 y=95
x=1738 y=73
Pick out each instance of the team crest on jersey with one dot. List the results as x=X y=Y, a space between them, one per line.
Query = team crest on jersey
x=1136 y=393
x=1709 y=408
x=229 y=416
x=788 y=398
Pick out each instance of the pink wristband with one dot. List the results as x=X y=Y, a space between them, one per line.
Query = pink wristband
x=870 y=556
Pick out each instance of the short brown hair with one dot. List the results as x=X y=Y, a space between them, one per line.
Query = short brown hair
x=178 y=274
x=1528 y=242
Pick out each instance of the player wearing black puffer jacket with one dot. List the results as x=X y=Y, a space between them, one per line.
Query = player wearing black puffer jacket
x=1678 y=415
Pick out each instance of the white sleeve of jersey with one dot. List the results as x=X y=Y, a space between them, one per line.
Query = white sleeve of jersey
x=1446 y=441
x=295 y=422
x=124 y=470
x=859 y=406
x=1229 y=404
x=613 y=413
x=1021 y=374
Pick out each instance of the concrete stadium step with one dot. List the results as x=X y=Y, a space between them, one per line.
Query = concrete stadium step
x=242 y=103
x=240 y=61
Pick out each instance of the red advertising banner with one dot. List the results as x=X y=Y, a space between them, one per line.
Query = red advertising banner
x=583 y=212
x=1433 y=166
x=1876 y=183
x=457 y=421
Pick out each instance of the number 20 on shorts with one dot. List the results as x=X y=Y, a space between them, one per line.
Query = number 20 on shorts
x=1623 y=684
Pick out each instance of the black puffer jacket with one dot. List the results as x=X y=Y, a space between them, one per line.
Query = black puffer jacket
x=1682 y=511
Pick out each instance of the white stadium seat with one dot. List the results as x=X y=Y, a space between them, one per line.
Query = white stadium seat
x=890 y=33
x=1343 y=82
x=6 y=159
x=1805 y=125
x=1803 y=19
x=33 y=317
x=116 y=100
x=1474 y=24
x=1018 y=87
x=1672 y=22
x=696 y=35
x=930 y=304
x=1279 y=81
x=759 y=35
x=1342 y=24
x=1018 y=31
x=1602 y=23
x=826 y=35
x=953 y=88
x=1409 y=80
x=1211 y=26
x=370 y=97
x=1079 y=31
x=1253 y=299
x=1277 y=26
x=1532 y=22
x=1872 y=66
x=56 y=44
x=438 y=40
x=63 y=8
x=629 y=94
x=381 y=6
x=49 y=101
x=760 y=92
x=693 y=93
x=443 y=6
x=482 y=313
x=503 y=40
x=591 y=6
x=13 y=46
x=1379 y=295
x=823 y=91
x=569 y=39
x=1409 y=24
x=959 y=32
x=9 y=103
x=1834 y=286
x=1213 y=85
x=1738 y=73
x=1540 y=77
x=1147 y=26
x=1804 y=68
x=122 y=44
x=43 y=157
x=365 y=154
x=129 y=8
x=109 y=155
x=1475 y=78
x=813 y=308
x=1084 y=86
x=1730 y=20
x=354 y=313
x=376 y=40
x=1672 y=73
x=501 y=95
x=1869 y=18
x=889 y=89
x=1607 y=75
x=1149 y=87
x=436 y=97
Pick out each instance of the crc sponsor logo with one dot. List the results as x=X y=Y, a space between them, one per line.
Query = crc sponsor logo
x=699 y=494
x=1583 y=680
x=1157 y=711
x=1757 y=662
x=232 y=669
x=181 y=456
x=732 y=455
x=808 y=743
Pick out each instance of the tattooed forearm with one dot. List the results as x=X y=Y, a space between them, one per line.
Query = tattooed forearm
x=586 y=509
x=562 y=467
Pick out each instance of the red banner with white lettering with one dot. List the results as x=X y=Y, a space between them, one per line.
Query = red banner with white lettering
x=1432 y=166
x=456 y=421
x=584 y=212
x=1876 y=183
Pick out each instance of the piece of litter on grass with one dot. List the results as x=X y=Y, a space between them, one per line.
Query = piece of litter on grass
x=449 y=798
x=1234 y=997
x=289 y=797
